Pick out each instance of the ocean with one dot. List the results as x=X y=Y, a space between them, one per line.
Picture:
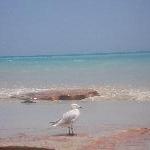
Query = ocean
x=120 y=76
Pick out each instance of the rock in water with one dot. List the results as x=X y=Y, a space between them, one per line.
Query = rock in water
x=68 y=94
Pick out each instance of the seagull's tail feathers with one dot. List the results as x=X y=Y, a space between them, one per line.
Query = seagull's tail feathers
x=54 y=123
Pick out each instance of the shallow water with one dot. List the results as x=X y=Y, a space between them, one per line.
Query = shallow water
x=102 y=117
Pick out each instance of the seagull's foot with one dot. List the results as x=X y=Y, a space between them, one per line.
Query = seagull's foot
x=71 y=131
x=72 y=134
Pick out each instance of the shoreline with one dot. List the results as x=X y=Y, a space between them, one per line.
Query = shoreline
x=102 y=125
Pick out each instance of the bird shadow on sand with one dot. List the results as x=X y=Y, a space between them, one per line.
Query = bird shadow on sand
x=65 y=134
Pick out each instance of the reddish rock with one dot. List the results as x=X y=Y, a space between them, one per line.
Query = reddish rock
x=71 y=94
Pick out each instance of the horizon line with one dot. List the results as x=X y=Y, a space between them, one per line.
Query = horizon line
x=78 y=54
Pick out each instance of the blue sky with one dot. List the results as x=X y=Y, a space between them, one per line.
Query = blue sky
x=39 y=27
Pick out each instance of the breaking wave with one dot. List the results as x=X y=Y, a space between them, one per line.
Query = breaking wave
x=113 y=93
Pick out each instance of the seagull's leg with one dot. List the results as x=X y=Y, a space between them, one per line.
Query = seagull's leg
x=69 y=130
x=72 y=132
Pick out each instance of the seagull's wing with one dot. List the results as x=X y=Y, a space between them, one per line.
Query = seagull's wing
x=68 y=118
x=71 y=116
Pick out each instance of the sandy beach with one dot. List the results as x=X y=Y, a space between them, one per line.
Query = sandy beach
x=136 y=138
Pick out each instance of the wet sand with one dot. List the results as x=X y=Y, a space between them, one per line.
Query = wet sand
x=137 y=138
x=102 y=125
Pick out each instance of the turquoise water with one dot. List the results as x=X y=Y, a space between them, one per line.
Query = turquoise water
x=92 y=70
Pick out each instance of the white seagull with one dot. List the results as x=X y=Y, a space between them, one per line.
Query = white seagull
x=68 y=118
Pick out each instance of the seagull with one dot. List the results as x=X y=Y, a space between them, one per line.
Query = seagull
x=68 y=119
